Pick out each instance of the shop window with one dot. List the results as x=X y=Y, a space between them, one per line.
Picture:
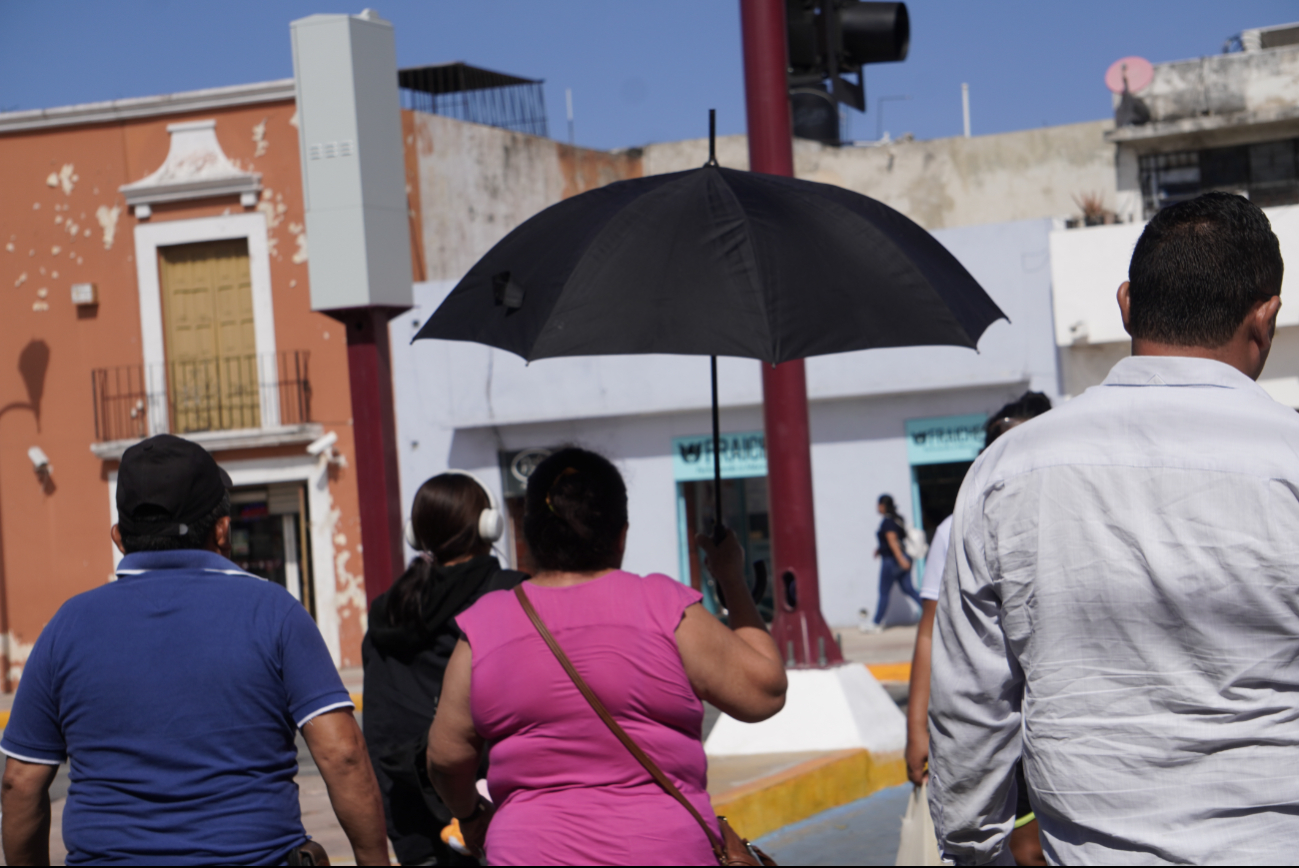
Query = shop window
x=744 y=509
x=938 y=485
x=268 y=537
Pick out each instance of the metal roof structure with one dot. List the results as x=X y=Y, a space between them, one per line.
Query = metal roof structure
x=477 y=95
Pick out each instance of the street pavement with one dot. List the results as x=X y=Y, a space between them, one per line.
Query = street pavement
x=864 y=832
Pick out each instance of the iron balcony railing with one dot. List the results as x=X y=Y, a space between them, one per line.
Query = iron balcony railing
x=188 y=397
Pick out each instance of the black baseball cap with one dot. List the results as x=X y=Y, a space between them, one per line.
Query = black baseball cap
x=165 y=484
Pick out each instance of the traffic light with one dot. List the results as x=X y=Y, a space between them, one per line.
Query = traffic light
x=829 y=39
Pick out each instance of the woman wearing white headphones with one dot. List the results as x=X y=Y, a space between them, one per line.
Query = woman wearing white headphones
x=454 y=521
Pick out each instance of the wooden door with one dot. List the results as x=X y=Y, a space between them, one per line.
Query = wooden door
x=207 y=303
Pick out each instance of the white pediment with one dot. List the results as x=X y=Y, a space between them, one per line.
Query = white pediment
x=195 y=168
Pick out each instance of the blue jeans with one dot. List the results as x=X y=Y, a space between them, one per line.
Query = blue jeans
x=891 y=573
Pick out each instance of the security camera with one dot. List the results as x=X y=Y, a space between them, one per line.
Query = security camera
x=40 y=461
x=322 y=444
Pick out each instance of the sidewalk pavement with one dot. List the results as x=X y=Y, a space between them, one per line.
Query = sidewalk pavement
x=766 y=793
x=800 y=802
x=864 y=832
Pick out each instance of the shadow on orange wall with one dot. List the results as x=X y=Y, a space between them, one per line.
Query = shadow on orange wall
x=33 y=362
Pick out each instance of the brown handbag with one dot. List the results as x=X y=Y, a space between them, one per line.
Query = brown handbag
x=731 y=849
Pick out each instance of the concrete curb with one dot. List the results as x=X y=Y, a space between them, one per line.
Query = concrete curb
x=817 y=785
x=890 y=672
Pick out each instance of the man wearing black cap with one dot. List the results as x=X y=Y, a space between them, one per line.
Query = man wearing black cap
x=176 y=692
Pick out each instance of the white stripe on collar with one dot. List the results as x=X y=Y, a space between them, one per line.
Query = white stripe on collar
x=200 y=569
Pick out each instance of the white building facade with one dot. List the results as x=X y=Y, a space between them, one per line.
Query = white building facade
x=905 y=422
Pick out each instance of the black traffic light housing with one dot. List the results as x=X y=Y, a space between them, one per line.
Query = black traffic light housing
x=829 y=39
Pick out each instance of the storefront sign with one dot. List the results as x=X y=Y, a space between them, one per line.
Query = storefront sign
x=945 y=439
x=743 y=455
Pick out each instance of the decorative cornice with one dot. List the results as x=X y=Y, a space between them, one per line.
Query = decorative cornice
x=195 y=168
x=224 y=441
x=148 y=106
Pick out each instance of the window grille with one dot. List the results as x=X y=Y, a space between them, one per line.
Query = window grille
x=1267 y=173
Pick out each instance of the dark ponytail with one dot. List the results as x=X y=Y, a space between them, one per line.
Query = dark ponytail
x=575 y=512
x=444 y=519
x=891 y=510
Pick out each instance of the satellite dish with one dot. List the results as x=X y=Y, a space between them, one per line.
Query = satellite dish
x=1137 y=70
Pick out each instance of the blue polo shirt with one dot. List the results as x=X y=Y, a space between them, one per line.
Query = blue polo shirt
x=176 y=692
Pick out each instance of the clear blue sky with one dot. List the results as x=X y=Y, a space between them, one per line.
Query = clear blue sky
x=641 y=70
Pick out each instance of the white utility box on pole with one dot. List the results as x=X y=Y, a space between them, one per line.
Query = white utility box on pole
x=358 y=237
x=353 y=165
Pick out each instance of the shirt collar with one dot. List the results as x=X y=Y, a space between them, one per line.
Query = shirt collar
x=1178 y=371
x=177 y=559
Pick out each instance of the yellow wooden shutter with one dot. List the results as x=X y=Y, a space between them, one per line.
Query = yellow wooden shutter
x=211 y=342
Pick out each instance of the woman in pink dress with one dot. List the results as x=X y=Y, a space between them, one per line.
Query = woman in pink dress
x=565 y=790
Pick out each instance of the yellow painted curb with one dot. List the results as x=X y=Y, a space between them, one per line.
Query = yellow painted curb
x=4 y=719
x=890 y=671
x=809 y=788
x=356 y=700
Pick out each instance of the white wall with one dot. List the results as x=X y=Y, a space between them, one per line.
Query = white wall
x=1088 y=264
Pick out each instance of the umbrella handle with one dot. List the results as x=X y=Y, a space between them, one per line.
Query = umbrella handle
x=719 y=526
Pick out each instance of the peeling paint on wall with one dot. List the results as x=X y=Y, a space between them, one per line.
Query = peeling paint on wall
x=299 y=233
x=107 y=218
x=16 y=652
x=349 y=588
x=22 y=278
x=272 y=205
x=259 y=138
x=65 y=178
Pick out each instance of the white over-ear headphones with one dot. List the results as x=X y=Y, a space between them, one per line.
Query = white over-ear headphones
x=491 y=524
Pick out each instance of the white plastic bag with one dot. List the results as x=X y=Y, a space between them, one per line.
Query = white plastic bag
x=919 y=844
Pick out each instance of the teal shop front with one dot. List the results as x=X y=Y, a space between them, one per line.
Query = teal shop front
x=940 y=450
x=744 y=506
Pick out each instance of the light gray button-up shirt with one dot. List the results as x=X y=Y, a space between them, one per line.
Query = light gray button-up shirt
x=1121 y=605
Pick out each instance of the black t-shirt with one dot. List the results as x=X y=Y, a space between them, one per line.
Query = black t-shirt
x=888 y=524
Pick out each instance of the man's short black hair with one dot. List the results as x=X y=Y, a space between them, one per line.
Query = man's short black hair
x=196 y=537
x=1199 y=267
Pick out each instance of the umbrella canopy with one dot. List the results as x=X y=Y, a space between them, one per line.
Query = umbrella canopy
x=715 y=261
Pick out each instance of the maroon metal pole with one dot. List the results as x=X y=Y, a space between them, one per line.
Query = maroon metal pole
x=374 y=431
x=799 y=628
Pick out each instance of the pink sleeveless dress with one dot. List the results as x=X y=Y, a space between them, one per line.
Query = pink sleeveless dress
x=567 y=791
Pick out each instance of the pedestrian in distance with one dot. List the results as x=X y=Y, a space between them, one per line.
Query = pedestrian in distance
x=566 y=790
x=412 y=632
x=1024 y=844
x=1122 y=600
x=895 y=566
x=175 y=693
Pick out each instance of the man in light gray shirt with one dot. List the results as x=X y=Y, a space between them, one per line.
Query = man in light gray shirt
x=1120 y=604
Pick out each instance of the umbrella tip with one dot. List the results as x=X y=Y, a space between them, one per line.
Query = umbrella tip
x=712 y=138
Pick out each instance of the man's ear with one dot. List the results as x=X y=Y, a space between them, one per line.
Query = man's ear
x=220 y=540
x=116 y=535
x=1125 y=304
x=1262 y=323
x=1266 y=315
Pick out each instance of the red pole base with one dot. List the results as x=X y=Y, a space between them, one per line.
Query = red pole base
x=374 y=432
x=799 y=629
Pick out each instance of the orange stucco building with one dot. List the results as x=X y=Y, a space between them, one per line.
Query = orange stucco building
x=153 y=278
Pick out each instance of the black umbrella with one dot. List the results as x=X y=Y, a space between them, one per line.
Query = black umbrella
x=715 y=262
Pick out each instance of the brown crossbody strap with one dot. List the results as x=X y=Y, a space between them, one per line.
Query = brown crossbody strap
x=613 y=725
